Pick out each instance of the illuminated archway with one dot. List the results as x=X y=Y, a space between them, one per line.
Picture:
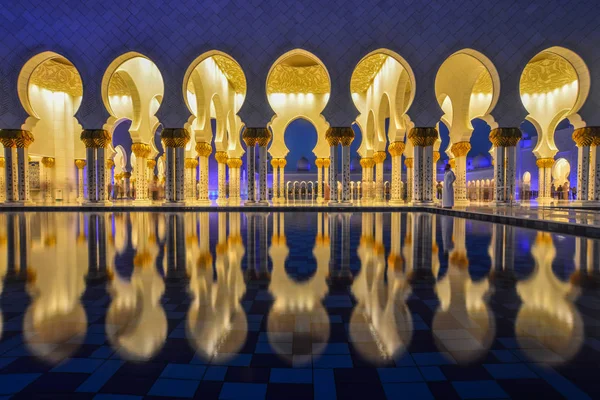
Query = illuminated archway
x=50 y=89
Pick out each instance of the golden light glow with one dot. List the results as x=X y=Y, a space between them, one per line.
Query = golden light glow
x=232 y=71
x=117 y=87
x=546 y=73
x=58 y=75
x=289 y=79
x=365 y=72
x=484 y=83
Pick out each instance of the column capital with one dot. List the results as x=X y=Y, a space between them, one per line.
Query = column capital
x=339 y=135
x=80 y=164
x=460 y=149
x=190 y=163
x=408 y=162
x=16 y=138
x=175 y=137
x=379 y=157
x=326 y=162
x=95 y=138
x=150 y=164
x=452 y=163
x=423 y=136
x=396 y=149
x=126 y=175
x=234 y=162
x=254 y=136
x=544 y=162
x=141 y=150
x=110 y=163
x=587 y=136
x=203 y=149
x=48 y=162
x=221 y=157
x=505 y=137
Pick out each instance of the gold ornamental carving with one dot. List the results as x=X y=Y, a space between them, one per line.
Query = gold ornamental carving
x=544 y=162
x=254 y=136
x=80 y=164
x=282 y=162
x=48 y=162
x=57 y=76
x=95 y=138
x=221 y=157
x=11 y=138
x=408 y=162
x=326 y=162
x=505 y=137
x=126 y=175
x=175 y=137
x=275 y=162
x=367 y=162
x=319 y=162
x=141 y=150
x=461 y=149
x=396 y=149
x=379 y=157
x=423 y=136
x=290 y=79
x=232 y=71
x=365 y=72
x=545 y=73
x=484 y=83
x=452 y=163
x=234 y=162
x=110 y=163
x=150 y=164
x=2 y=162
x=203 y=149
x=436 y=156
x=339 y=135
x=190 y=163
x=459 y=259
x=587 y=136
x=117 y=86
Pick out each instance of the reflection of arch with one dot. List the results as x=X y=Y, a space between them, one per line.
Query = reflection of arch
x=561 y=171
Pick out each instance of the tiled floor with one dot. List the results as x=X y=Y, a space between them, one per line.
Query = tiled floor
x=432 y=328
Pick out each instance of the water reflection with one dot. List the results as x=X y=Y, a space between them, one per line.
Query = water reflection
x=294 y=282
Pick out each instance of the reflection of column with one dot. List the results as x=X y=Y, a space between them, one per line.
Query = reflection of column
x=275 y=166
x=2 y=180
x=409 y=178
x=544 y=178
x=460 y=151
x=141 y=151
x=396 y=149
x=379 y=157
x=48 y=163
x=251 y=246
x=80 y=166
x=422 y=140
x=204 y=150
x=221 y=157
x=263 y=232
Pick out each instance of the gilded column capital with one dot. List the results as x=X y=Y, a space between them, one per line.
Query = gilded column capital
x=587 y=136
x=379 y=157
x=141 y=150
x=126 y=175
x=234 y=162
x=319 y=162
x=423 y=136
x=396 y=149
x=505 y=137
x=452 y=163
x=150 y=164
x=326 y=162
x=275 y=162
x=221 y=157
x=282 y=162
x=190 y=163
x=48 y=162
x=366 y=162
x=110 y=163
x=175 y=137
x=408 y=162
x=95 y=138
x=544 y=162
x=11 y=138
x=203 y=149
x=339 y=135
x=460 y=149
x=80 y=164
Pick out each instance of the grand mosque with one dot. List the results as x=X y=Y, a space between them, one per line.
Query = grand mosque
x=149 y=106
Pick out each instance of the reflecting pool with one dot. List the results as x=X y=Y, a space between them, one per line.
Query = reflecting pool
x=306 y=304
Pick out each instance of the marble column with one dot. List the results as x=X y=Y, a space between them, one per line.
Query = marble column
x=48 y=163
x=282 y=188
x=23 y=167
x=584 y=139
x=2 y=180
x=101 y=178
x=409 y=162
x=379 y=157
x=326 y=168
x=80 y=164
x=150 y=165
x=141 y=151
x=333 y=195
x=504 y=152
x=595 y=172
x=275 y=166
x=9 y=174
x=422 y=140
x=204 y=150
x=90 y=155
x=127 y=184
x=544 y=178
x=180 y=174
x=262 y=178
x=319 y=165
x=346 y=194
x=460 y=151
x=250 y=162
x=499 y=174
x=169 y=174
x=396 y=149
x=234 y=165
x=110 y=164
x=510 y=174
x=436 y=158
x=221 y=157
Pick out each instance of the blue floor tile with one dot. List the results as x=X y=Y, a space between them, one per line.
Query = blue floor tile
x=408 y=374
x=290 y=375
x=432 y=374
x=95 y=381
x=326 y=361
x=249 y=391
x=183 y=371
x=13 y=383
x=324 y=384
x=395 y=391
x=174 y=388
x=117 y=397
x=81 y=365
x=479 y=390
x=510 y=371
x=432 y=358
x=215 y=373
